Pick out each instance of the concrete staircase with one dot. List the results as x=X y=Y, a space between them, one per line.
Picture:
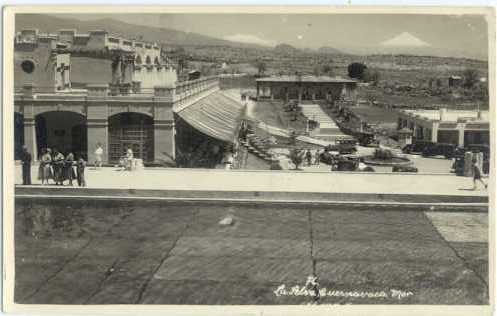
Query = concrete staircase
x=327 y=127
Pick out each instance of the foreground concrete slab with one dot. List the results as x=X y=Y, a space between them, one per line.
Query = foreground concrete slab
x=152 y=252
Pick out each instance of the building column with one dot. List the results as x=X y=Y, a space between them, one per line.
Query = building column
x=30 y=136
x=97 y=124
x=97 y=130
x=460 y=141
x=258 y=89
x=300 y=94
x=164 y=143
x=164 y=131
x=434 y=132
x=29 y=122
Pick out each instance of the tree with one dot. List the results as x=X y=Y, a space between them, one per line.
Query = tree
x=316 y=71
x=297 y=157
x=470 y=77
x=371 y=75
x=356 y=70
x=261 y=67
x=327 y=70
x=298 y=75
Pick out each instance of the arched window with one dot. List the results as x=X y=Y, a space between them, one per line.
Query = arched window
x=148 y=60
x=156 y=61
x=138 y=60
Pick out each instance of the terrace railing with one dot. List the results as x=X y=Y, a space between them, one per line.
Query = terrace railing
x=181 y=94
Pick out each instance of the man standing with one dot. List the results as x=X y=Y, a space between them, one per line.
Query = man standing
x=58 y=165
x=308 y=157
x=26 y=166
x=98 y=156
x=80 y=172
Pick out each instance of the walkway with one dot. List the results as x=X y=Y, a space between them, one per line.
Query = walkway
x=279 y=181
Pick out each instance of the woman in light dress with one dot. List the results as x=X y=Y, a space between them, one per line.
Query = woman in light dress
x=45 y=169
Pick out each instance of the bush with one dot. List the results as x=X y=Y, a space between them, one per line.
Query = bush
x=356 y=70
x=297 y=157
x=383 y=154
x=470 y=77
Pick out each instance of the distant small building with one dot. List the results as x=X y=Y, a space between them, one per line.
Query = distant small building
x=447 y=126
x=193 y=75
x=305 y=88
x=455 y=81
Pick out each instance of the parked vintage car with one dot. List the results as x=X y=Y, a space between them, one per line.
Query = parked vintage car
x=475 y=148
x=367 y=139
x=343 y=149
x=416 y=148
x=328 y=157
x=346 y=165
x=404 y=169
x=439 y=149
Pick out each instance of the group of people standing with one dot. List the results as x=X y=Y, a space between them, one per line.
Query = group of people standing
x=312 y=159
x=53 y=165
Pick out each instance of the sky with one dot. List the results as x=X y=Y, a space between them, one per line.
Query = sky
x=447 y=35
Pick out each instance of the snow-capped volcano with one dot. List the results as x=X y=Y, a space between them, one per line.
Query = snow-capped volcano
x=405 y=39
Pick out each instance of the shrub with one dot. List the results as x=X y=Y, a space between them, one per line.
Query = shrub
x=297 y=157
x=383 y=154
x=356 y=70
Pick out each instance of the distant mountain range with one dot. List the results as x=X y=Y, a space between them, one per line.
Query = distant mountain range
x=165 y=36
x=329 y=50
x=401 y=43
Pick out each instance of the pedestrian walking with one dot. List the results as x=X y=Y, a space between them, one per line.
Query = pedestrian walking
x=26 y=166
x=58 y=167
x=308 y=157
x=98 y=156
x=69 y=173
x=129 y=159
x=317 y=157
x=80 y=170
x=45 y=169
x=477 y=175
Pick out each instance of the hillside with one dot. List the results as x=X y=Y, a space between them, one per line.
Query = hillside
x=47 y=23
x=329 y=50
x=285 y=49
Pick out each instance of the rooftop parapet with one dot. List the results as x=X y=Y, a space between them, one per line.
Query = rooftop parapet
x=95 y=39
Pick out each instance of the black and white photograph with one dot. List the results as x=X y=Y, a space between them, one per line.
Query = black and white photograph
x=249 y=157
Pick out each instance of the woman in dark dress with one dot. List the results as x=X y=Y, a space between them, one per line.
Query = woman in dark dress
x=69 y=173
x=58 y=167
x=477 y=175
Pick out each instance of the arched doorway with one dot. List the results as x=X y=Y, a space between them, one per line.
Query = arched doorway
x=18 y=134
x=133 y=130
x=66 y=131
